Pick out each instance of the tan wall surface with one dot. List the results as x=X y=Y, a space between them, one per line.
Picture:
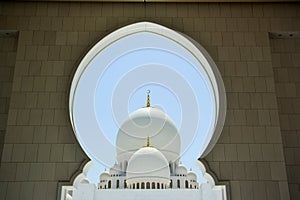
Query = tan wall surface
x=40 y=148
x=8 y=47
x=286 y=65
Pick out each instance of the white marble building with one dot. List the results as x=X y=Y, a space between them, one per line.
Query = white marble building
x=148 y=165
x=151 y=166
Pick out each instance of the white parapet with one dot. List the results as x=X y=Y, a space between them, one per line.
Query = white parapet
x=148 y=194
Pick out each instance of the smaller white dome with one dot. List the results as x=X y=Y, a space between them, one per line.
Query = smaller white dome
x=181 y=169
x=104 y=175
x=148 y=164
x=191 y=175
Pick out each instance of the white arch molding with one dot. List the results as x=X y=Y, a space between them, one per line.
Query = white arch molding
x=187 y=43
x=80 y=95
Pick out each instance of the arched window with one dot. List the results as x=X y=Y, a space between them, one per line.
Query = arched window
x=178 y=183
x=158 y=186
x=153 y=185
x=118 y=184
x=138 y=186
x=186 y=184
x=171 y=184
x=143 y=185
x=148 y=185
x=163 y=41
x=133 y=186
x=109 y=184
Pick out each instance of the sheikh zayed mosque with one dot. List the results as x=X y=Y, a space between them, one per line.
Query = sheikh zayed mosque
x=148 y=164
x=222 y=122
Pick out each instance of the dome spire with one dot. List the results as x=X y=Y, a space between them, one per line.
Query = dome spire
x=148 y=98
x=148 y=142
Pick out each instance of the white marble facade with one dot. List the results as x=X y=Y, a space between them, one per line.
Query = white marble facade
x=148 y=165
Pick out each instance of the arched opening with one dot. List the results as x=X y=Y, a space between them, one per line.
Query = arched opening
x=118 y=184
x=149 y=28
x=109 y=184
x=143 y=185
x=157 y=186
x=186 y=184
x=153 y=185
x=133 y=186
x=148 y=185
x=125 y=184
x=171 y=184
x=126 y=36
x=178 y=183
x=138 y=186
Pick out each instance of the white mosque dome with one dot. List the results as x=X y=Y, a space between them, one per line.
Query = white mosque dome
x=148 y=164
x=181 y=170
x=191 y=175
x=104 y=175
x=148 y=122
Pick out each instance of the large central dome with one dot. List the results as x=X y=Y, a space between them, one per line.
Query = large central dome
x=148 y=122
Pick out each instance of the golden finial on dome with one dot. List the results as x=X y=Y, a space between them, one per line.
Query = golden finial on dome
x=148 y=142
x=148 y=98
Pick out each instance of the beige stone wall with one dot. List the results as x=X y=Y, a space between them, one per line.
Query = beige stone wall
x=40 y=148
x=286 y=65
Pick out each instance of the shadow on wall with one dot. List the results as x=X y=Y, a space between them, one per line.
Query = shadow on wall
x=8 y=48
